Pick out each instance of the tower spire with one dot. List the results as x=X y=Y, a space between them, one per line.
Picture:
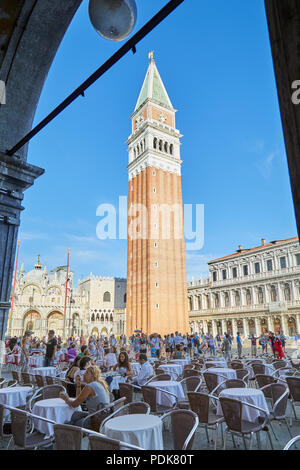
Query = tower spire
x=153 y=87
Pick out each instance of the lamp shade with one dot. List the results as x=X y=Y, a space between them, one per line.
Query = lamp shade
x=113 y=19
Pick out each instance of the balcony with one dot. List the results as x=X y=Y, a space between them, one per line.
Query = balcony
x=266 y=275
x=274 y=307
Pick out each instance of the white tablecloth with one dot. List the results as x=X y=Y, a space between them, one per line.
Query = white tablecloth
x=218 y=362
x=141 y=430
x=223 y=371
x=44 y=371
x=36 y=361
x=55 y=409
x=12 y=358
x=248 y=395
x=14 y=396
x=174 y=370
x=170 y=386
x=116 y=381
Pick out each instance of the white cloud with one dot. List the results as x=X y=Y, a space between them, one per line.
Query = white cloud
x=265 y=165
x=26 y=236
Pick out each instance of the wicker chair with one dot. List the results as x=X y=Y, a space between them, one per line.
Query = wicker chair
x=291 y=443
x=45 y=393
x=258 y=369
x=150 y=397
x=279 y=364
x=103 y=443
x=15 y=376
x=26 y=378
x=70 y=387
x=49 y=380
x=34 y=440
x=279 y=397
x=183 y=428
x=242 y=374
x=5 y=434
x=200 y=403
x=2 y=382
x=294 y=389
x=39 y=381
x=94 y=420
x=126 y=390
x=236 y=425
x=67 y=437
x=263 y=380
x=236 y=365
x=11 y=383
x=160 y=377
x=190 y=384
x=190 y=373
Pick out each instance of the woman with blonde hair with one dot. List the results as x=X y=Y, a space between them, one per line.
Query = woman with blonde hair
x=95 y=394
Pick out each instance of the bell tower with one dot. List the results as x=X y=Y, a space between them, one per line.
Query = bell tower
x=157 y=299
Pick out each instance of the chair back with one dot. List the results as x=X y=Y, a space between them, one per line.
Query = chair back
x=70 y=387
x=279 y=364
x=11 y=383
x=52 y=391
x=18 y=427
x=236 y=365
x=126 y=390
x=278 y=391
x=138 y=408
x=2 y=435
x=241 y=374
x=150 y=397
x=183 y=422
x=258 y=368
x=234 y=383
x=39 y=381
x=210 y=365
x=26 y=379
x=67 y=437
x=15 y=375
x=161 y=377
x=211 y=380
x=2 y=381
x=232 y=412
x=118 y=403
x=263 y=380
x=190 y=373
x=103 y=443
x=192 y=383
x=49 y=380
x=98 y=417
x=199 y=404
x=294 y=387
x=158 y=371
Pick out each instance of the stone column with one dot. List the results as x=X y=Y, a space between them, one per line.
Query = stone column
x=15 y=177
x=246 y=327
x=214 y=328
x=284 y=326
x=257 y=326
x=297 y=319
x=205 y=327
x=234 y=327
x=224 y=326
x=270 y=321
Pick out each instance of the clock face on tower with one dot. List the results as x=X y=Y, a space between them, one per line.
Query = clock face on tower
x=162 y=118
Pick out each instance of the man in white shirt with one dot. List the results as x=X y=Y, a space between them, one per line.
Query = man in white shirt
x=178 y=338
x=145 y=373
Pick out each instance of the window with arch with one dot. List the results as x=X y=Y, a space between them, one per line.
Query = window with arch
x=138 y=149
x=155 y=143
x=166 y=147
x=160 y=145
x=93 y=317
x=226 y=298
x=237 y=299
x=97 y=317
x=171 y=149
x=287 y=292
x=102 y=317
x=273 y=294
x=106 y=297
x=111 y=318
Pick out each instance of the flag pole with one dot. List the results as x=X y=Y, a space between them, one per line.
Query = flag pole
x=15 y=278
x=66 y=292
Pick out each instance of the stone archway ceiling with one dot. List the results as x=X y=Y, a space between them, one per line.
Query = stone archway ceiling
x=9 y=14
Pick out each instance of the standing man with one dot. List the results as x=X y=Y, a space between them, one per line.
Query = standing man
x=239 y=345
x=51 y=347
x=253 y=340
x=156 y=343
x=227 y=347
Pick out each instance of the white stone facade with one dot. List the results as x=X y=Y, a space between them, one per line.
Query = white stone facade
x=250 y=291
x=39 y=304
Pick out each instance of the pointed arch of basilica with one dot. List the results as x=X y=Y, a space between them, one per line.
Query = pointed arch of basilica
x=55 y=321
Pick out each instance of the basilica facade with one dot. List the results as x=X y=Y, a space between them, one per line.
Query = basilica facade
x=95 y=306
x=250 y=291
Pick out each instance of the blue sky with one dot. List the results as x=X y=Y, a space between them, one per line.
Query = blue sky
x=215 y=61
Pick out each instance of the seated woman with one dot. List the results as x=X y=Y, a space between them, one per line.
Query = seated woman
x=84 y=363
x=74 y=367
x=95 y=395
x=178 y=353
x=110 y=359
x=123 y=366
